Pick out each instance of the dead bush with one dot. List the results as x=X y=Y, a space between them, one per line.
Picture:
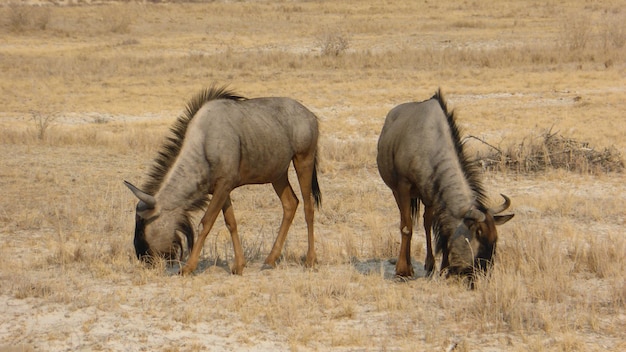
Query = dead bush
x=550 y=150
x=575 y=32
x=333 y=42
x=42 y=123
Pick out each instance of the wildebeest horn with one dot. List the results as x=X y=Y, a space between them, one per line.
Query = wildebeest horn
x=475 y=214
x=149 y=200
x=504 y=206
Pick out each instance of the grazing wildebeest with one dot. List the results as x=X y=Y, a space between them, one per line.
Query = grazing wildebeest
x=224 y=141
x=421 y=158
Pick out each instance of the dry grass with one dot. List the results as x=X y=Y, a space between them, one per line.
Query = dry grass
x=89 y=91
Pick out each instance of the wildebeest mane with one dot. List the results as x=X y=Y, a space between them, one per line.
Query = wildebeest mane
x=171 y=148
x=471 y=172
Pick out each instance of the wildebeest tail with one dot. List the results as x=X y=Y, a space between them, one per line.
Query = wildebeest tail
x=315 y=186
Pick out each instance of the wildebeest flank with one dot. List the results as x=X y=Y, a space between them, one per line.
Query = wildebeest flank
x=421 y=158
x=224 y=141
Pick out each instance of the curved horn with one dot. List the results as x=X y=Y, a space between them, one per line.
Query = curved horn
x=475 y=214
x=504 y=206
x=149 y=200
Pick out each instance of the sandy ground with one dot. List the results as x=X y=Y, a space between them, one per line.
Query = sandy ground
x=64 y=286
x=83 y=306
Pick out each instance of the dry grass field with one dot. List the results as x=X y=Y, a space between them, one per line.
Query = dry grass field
x=88 y=90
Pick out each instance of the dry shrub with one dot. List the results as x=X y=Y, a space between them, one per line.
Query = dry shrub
x=551 y=151
x=613 y=31
x=42 y=122
x=333 y=42
x=575 y=32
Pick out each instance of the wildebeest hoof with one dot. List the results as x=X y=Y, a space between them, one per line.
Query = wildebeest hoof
x=184 y=271
x=403 y=279
x=404 y=270
x=309 y=262
x=266 y=266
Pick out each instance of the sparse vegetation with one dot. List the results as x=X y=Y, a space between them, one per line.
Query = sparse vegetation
x=118 y=18
x=576 y=32
x=70 y=278
x=551 y=151
x=333 y=42
x=42 y=123
x=23 y=17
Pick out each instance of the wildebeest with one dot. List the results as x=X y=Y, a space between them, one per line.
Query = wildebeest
x=421 y=158
x=221 y=142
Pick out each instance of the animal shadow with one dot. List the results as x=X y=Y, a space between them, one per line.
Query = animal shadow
x=204 y=265
x=387 y=269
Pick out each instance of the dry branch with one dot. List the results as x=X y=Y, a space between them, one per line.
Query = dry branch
x=550 y=150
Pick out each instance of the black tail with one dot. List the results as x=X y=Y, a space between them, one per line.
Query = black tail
x=315 y=186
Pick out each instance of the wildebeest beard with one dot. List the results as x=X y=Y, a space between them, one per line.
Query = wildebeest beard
x=468 y=254
x=141 y=246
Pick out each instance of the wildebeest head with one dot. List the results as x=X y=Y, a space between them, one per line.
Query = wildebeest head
x=473 y=243
x=157 y=234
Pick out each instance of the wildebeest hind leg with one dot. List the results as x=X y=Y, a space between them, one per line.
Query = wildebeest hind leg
x=429 y=263
x=404 y=267
x=231 y=225
x=289 y=202
x=215 y=205
x=305 y=165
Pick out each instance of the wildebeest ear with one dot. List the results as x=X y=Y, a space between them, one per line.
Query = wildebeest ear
x=501 y=219
x=146 y=212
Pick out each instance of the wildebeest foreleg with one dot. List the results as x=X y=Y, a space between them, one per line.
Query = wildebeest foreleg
x=231 y=225
x=404 y=267
x=429 y=263
x=290 y=203
x=215 y=205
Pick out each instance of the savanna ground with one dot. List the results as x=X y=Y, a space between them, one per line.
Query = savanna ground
x=89 y=89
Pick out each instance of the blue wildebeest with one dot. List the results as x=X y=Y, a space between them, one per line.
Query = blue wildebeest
x=221 y=142
x=421 y=158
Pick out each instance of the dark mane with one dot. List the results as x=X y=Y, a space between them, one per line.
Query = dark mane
x=471 y=171
x=171 y=147
x=470 y=167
